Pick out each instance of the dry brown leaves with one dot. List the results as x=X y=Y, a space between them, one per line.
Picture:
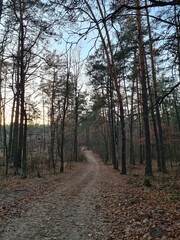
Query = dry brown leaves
x=134 y=211
x=16 y=193
x=129 y=209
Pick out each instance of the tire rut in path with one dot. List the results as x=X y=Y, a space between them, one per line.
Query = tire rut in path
x=70 y=212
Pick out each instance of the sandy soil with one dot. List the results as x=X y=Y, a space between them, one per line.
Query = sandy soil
x=90 y=201
x=70 y=211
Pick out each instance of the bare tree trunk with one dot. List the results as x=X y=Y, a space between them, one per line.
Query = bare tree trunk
x=111 y=125
x=157 y=142
x=5 y=133
x=111 y=66
x=140 y=135
x=24 y=150
x=76 y=120
x=160 y=141
x=15 y=137
x=23 y=120
x=65 y=107
x=1 y=7
x=106 y=136
x=176 y=110
x=44 y=126
x=177 y=21
x=148 y=164
x=52 y=125
x=1 y=115
x=131 y=147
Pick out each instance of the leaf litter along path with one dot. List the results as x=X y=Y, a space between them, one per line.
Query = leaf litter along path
x=91 y=201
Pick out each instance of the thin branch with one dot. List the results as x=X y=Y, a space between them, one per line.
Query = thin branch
x=168 y=93
x=114 y=14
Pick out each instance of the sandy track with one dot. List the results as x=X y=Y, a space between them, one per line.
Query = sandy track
x=69 y=212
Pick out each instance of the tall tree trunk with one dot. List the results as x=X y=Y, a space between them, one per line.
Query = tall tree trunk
x=52 y=125
x=23 y=122
x=160 y=141
x=111 y=66
x=140 y=135
x=177 y=22
x=75 y=120
x=1 y=7
x=105 y=134
x=15 y=136
x=111 y=125
x=65 y=107
x=24 y=150
x=4 y=132
x=62 y=138
x=157 y=142
x=44 y=125
x=176 y=110
x=131 y=147
x=148 y=164
x=1 y=106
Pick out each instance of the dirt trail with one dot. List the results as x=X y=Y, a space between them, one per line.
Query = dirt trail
x=89 y=202
x=69 y=212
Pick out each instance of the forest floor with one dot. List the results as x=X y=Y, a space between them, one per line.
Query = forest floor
x=90 y=202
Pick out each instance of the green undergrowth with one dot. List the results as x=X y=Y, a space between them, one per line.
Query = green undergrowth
x=172 y=198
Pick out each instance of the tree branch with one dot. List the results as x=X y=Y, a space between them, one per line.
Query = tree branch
x=168 y=93
x=154 y=4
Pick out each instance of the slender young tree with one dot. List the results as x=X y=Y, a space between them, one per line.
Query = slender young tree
x=64 y=109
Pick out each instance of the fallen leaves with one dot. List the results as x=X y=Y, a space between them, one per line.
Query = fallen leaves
x=128 y=209
x=133 y=211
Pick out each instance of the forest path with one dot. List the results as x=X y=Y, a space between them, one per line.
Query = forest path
x=89 y=202
x=69 y=212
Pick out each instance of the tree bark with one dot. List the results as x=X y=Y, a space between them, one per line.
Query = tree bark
x=160 y=141
x=52 y=125
x=65 y=107
x=148 y=163
x=111 y=125
x=111 y=66
x=75 y=120
x=131 y=147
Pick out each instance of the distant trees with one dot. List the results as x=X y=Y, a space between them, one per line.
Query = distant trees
x=63 y=100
